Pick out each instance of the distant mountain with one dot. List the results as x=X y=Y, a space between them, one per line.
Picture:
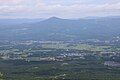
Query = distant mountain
x=101 y=17
x=63 y=29
x=18 y=21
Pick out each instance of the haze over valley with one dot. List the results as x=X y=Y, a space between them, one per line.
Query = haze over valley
x=59 y=39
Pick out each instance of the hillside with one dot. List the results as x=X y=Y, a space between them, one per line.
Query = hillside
x=62 y=29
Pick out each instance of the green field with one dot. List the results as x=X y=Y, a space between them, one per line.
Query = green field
x=76 y=47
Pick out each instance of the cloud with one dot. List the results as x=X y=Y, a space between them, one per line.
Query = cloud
x=14 y=6
x=81 y=10
x=11 y=2
x=47 y=8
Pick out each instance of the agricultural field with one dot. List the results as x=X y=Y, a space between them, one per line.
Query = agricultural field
x=87 y=47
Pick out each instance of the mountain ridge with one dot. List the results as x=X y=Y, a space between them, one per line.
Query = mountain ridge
x=63 y=29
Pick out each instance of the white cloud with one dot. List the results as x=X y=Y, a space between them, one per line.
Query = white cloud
x=76 y=8
x=11 y=2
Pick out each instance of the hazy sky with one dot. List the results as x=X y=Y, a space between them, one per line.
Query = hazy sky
x=58 y=8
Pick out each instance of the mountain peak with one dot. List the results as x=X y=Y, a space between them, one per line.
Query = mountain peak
x=54 y=18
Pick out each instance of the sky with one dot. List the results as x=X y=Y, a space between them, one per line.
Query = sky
x=58 y=8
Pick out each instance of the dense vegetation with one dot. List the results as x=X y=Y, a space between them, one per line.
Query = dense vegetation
x=73 y=70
